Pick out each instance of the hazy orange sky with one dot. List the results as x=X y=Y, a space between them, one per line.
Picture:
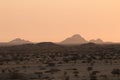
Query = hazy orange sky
x=54 y=20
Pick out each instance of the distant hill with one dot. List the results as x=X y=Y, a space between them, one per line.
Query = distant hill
x=98 y=41
x=78 y=39
x=16 y=41
x=75 y=39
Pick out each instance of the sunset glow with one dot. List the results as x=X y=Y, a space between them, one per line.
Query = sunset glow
x=54 y=20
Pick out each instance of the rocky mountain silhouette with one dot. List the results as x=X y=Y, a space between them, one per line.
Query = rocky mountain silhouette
x=75 y=39
x=97 y=41
x=16 y=41
x=78 y=39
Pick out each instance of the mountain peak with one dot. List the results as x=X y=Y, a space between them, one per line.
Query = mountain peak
x=75 y=39
x=76 y=36
x=99 y=41
x=16 y=39
x=19 y=41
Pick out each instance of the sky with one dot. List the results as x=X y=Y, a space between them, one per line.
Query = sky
x=55 y=20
